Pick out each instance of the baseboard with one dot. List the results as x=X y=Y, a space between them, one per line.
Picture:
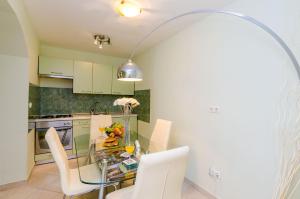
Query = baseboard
x=200 y=189
x=29 y=174
x=12 y=185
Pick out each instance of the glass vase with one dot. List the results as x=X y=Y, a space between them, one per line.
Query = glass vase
x=126 y=117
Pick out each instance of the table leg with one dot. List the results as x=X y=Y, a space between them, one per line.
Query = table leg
x=101 y=192
x=103 y=178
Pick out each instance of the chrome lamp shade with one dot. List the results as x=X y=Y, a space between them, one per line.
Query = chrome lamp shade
x=129 y=71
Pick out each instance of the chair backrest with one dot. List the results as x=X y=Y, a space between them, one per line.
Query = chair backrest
x=160 y=136
x=60 y=156
x=161 y=174
x=98 y=121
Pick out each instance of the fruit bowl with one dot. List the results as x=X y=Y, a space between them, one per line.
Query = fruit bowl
x=115 y=132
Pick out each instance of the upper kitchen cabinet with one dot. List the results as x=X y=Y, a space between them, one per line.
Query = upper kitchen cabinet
x=55 y=67
x=83 y=76
x=102 y=79
x=121 y=87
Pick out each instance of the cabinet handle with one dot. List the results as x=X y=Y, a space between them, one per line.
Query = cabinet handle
x=56 y=73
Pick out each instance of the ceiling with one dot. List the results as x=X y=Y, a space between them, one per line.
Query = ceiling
x=72 y=23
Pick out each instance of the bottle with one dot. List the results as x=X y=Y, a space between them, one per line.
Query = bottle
x=137 y=149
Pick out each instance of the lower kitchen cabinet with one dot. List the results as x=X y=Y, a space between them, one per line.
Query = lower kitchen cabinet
x=81 y=130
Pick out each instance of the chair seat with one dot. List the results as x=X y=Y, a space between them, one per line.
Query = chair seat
x=69 y=178
x=125 y=193
x=77 y=187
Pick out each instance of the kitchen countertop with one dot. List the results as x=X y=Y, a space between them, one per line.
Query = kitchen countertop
x=77 y=116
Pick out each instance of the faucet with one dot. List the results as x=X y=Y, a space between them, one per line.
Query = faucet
x=93 y=108
x=106 y=111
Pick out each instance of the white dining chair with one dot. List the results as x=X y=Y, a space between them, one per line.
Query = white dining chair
x=160 y=176
x=69 y=178
x=160 y=136
x=98 y=121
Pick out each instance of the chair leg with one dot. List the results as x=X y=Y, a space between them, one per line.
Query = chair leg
x=115 y=186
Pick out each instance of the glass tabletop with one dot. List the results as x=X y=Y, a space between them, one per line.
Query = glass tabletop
x=100 y=165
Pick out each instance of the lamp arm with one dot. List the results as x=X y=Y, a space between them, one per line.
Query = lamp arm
x=235 y=14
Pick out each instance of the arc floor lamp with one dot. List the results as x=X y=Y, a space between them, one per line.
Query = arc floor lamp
x=130 y=71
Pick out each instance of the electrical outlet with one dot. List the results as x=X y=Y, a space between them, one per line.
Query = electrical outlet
x=214 y=173
x=214 y=109
x=211 y=172
x=218 y=175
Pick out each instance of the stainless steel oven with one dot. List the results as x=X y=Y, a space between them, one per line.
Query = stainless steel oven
x=64 y=131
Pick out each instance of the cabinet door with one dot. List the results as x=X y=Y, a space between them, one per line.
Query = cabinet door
x=121 y=87
x=83 y=77
x=102 y=78
x=55 y=66
x=81 y=134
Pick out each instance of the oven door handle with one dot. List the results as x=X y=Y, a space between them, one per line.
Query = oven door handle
x=63 y=128
x=57 y=128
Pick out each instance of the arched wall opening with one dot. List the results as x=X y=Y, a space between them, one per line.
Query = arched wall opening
x=14 y=83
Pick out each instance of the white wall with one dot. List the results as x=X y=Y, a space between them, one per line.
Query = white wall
x=31 y=38
x=12 y=30
x=225 y=62
x=18 y=56
x=13 y=118
x=53 y=51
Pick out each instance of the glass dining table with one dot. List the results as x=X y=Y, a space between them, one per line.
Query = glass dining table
x=106 y=166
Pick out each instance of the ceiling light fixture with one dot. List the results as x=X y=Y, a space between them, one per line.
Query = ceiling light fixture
x=129 y=71
x=129 y=8
x=99 y=40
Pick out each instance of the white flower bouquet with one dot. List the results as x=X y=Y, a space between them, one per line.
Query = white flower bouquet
x=127 y=104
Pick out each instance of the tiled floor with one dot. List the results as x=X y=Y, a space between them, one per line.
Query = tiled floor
x=44 y=184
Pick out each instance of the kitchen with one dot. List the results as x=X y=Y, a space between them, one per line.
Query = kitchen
x=76 y=89
x=214 y=84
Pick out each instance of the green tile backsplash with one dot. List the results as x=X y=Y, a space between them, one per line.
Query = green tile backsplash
x=143 y=111
x=62 y=101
